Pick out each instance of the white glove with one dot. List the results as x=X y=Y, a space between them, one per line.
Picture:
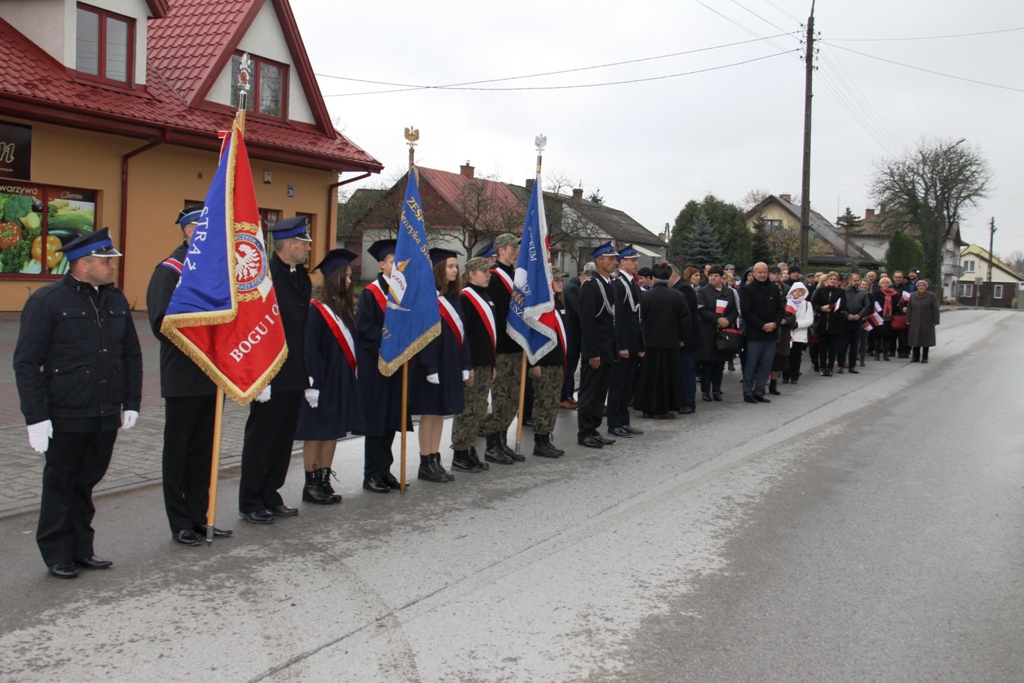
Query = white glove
x=433 y=378
x=39 y=435
x=129 y=418
x=264 y=395
x=312 y=397
x=465 y=375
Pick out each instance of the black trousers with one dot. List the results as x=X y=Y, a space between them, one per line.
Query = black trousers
x=75 y=463
x=572 y=359
x=711 y=372
x=267 y=450
x=377 y=457
x=688 y=361
x=188 y=450
x=593 y=391
x=849 y=343
x=796 y=355
x=828 y=344
x=620 y=391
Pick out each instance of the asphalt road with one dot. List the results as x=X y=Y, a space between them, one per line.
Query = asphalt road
x=858 y=528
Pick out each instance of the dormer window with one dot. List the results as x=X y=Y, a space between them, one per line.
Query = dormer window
x=269 y=85
x=105 y=45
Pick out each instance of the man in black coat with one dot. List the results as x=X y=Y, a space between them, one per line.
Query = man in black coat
x=629 y=344
x=78 y=367
x=762 y=307
x=597 y=347
x=571 y=296
x=691 y=344
x=267 y=448
x=189 y=406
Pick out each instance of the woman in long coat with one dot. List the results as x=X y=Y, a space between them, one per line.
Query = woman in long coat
x=886 y=303
x=829 y=303
x=922 y=317
x=332 y=408
x=717 y=310
x=437 y=373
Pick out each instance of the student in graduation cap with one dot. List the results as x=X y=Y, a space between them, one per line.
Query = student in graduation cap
x=381 y=396
x=332 y=407
x=437 y=373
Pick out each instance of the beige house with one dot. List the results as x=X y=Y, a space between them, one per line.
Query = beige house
x=973 y=288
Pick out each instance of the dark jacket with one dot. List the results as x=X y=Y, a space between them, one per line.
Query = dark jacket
x=858 y=302
x=381 y=396
x=834 y=321
x=761 y=303
x=481 y=346
x=707 y=312
x=597 y=322
x=78 y=356
x=626 y=300
x=293 y=290
x=501 y=297
x=666 y=317
x=693 y=339
x=179 y=375
x=571 y=295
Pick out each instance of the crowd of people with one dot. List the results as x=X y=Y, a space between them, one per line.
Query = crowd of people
x=643 y=340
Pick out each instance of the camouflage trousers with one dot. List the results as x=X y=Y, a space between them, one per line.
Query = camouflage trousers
x=504 y=393
x=467 y=422
x=547 y=389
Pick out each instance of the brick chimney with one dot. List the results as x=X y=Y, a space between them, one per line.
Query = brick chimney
x=529 y=184
x=466 y=170
x=577 y=193
x=786 y=198
x=869 y=213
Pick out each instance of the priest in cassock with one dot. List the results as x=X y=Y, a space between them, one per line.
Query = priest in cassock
x=666 y=325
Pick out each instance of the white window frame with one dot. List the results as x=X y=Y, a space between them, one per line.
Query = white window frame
x=966 y=290
x=997 y=291
x=969 y=266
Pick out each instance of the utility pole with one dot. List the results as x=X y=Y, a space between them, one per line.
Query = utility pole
x=991 y=259
x=805 y=186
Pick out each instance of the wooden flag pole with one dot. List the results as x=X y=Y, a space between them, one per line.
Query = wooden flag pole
x=218 y=421
x=522 y=400
x=405 y=416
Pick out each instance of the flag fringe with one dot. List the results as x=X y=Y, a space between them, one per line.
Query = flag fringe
x=388 y=369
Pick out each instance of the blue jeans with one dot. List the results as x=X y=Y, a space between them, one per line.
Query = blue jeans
x=760 y=355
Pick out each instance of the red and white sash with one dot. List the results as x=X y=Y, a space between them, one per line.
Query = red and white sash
x=451 y=316
x=559 y=329
x=340 y=331
x=483 y=309
x=378 y=294
x=505 y=279
x=173 y=263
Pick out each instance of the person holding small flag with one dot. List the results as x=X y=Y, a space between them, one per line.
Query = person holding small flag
x=273 y=416
x=886 y=303
x=858 y=307
x=481 y=337
x=331 y=408
x=829 y=301
x=797 y=303
x=629 y=344
x=438 y=372
x=78 y=368
x=717 y=310
x=189 y=405
x=597 y=346
x=762 y=309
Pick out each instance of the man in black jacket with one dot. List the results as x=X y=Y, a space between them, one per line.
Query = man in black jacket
x=629 y=344
x=691 y=344
x=189 y=406
x=571 y=295
x=78 y=365
x=267 y=448
x=597 y=347
x=762 y=307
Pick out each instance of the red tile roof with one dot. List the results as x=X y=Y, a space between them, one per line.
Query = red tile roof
x=454 y=189
x=35 y=85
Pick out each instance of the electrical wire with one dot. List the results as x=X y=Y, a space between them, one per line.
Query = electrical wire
x=928 y=71
x=737 y=3
x=772 y=4
x=860 y=101
x=954 y=35
x=826 y=80
x=741 y=26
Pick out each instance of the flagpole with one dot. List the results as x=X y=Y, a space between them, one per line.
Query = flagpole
x=211 y=510
x=405 y=416
x=522 y=400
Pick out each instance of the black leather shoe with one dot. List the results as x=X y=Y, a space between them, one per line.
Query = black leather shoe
x=605 y=440
x=591 y=442
x=375 y=484
x=749 y=399
x=391 y=482
x=705 y=396
x=761 y=399
x=633 y=430
x=687 y=410
x=94 y=562
x=64 y=570
x=283 y=511
x=258 y=517
x=717 y=395
x=510 y=452
x=217 y=533
x=620 y=431
x=186 y=537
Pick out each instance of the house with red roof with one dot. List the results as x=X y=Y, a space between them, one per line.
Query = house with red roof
x=109 y=116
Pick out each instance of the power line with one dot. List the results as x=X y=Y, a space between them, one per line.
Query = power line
x=928 y=71
x=737 y=3
x=772 y=4
x=860 y=101
x=575 y=86
x=954 y=35
x=738 y=24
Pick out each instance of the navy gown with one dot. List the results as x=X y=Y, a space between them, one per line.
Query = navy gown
x=381 y=396
x=339 y=410
x=443 y=356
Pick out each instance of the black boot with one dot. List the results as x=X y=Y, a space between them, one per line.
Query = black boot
x=773 y=388
x=503 y=442
x=440 y=468
x=476 y=459
x=542 y=447
x=494 y=453
x=312 y=493
x=427 y=472
x=924 y=354
x=325 y=484
x=462 y=461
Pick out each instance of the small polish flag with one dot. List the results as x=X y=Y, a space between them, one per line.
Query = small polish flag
x=720 y=306
x=837 y=305
x=878 y=306
x=906 y=295
x=877 y=317
x=790 y=308
x=867 y=325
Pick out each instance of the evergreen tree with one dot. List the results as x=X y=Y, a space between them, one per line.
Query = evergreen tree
x=728 y=222
x=904 y=253
x=701 y=246
x=760 y=249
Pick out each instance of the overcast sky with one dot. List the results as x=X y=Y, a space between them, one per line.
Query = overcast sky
x=652 y=146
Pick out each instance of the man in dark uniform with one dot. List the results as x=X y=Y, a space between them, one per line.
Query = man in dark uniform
x=189 y=406
x=629 y=344
x=691 y=342
x=382 y=396
x=267 y=448
x=508 y=360
x=571 y=295
x=78 y=365
x=597 y=346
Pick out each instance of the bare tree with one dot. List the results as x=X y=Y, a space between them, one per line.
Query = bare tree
x=1016 y=261
x=753 y=198
x=570 y=229
x=483 y=209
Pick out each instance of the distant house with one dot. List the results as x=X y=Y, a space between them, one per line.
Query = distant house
x=973 y=288
x=111 y=110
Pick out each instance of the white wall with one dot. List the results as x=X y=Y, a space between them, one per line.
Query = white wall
x=45 y=23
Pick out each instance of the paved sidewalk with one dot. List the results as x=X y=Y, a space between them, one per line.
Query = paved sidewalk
x=137 y=454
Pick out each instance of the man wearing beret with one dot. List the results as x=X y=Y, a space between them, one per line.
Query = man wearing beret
x=78 y=366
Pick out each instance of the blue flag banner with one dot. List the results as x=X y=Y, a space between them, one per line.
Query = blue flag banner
x=412 y=318
x=532 y=308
